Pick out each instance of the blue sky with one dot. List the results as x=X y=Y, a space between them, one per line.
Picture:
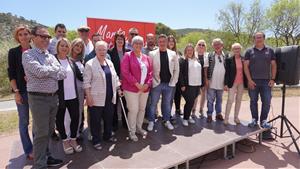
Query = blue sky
x=176 y=14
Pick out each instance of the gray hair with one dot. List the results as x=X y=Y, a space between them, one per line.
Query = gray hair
x=137 y=39
x=101 y=43
x=217 y=40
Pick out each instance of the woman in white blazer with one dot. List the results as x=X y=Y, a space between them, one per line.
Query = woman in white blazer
x=100 y=82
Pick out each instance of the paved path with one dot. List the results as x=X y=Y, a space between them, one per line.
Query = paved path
x=8 y=105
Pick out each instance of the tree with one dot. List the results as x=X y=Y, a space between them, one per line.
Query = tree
x=163 y=29
x=284 y=21
x=231 y=18
x=254 y=19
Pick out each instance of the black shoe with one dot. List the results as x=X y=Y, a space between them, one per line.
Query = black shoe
x=54 y=136
x=52 y=162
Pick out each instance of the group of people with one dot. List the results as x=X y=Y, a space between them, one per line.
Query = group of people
x=52 y=77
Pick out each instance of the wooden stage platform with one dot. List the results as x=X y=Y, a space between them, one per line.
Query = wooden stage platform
x=160 y=149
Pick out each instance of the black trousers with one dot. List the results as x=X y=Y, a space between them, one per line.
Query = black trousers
x=97 y=113
x=73 y=108
x=177 y=96
x=189 y=95
x=115 y=115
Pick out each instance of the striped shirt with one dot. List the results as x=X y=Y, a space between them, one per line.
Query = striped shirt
x=42 y=71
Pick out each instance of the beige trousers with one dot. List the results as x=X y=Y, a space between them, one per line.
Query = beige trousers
x=237 y=92
x=136 y=104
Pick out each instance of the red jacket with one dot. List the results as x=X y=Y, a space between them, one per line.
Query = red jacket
x=131 y=71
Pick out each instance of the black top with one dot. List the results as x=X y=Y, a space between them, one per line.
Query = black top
x=15 y=68
x=164 y=74
x=109 y=88
x=201 y=60
x=230 y=72
x=260 y=62
x=114 y=55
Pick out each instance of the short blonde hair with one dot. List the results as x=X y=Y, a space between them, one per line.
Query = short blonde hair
x=18 y=29
x=74 y=43
x=235 y=45
x=59 y=41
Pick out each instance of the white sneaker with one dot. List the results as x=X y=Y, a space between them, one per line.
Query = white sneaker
x=169 y=125
x=192 y=121
x=150 y=126
x=185 y=123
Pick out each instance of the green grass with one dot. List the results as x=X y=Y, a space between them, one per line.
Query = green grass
x=9 y=122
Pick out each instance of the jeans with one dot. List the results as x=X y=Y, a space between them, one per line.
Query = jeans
x=264 y=90
x=212 y=96
x=23 y=112
x=166 y=91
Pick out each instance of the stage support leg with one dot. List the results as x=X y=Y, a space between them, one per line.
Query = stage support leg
x=260 y=138
x=187 y=164
x=233 y=150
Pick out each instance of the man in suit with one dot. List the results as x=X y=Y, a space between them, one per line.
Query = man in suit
x=165 y=77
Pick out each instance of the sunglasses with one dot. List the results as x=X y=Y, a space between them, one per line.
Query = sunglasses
x=201 y=45
x=43 y=36
x=84 y=30
x=134 y=34
x=219 y=58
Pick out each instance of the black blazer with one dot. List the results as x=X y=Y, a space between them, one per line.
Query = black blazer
x=15 y=68
x=184 y=72
x=60 y=91
x=113 y=53
x=231 y=72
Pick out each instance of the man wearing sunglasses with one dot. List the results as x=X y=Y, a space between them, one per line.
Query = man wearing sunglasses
x=43 y=72
x=215 y=80
x=132 y=33
x=60 y=31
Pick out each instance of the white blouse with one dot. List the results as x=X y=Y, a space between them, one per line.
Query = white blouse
x=195 y=71
x=144 y=70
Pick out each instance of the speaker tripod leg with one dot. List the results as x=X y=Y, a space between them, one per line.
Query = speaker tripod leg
x=274 y=119
x=292 y=136
x=292 y=125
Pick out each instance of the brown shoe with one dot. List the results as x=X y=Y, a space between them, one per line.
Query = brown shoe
x=219 y=117
x=209 y=119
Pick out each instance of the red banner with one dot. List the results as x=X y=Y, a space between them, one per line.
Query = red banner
x=107 y=28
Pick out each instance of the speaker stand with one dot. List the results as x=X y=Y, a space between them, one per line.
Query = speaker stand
x=285 y=121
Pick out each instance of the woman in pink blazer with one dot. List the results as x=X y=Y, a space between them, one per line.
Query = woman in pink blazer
x=136 y=75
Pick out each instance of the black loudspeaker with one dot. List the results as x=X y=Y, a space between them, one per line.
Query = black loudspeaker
x=288 y=65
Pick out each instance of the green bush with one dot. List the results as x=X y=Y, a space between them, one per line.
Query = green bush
x=4 y=81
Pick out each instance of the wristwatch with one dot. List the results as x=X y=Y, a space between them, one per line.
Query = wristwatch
x=16 y=90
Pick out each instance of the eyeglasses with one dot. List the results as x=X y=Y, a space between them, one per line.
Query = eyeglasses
x=43 y=36
x=61 y=31
x=201 y=45
x=219 y=58
x=134 y=34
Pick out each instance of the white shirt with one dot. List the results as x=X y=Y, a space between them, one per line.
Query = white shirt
x=88 y=48
x=69 y=85
x=144 y=70
x=217 y=80
x=195 y=69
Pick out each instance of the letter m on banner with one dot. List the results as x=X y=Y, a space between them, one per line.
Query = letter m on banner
x=107 y=28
